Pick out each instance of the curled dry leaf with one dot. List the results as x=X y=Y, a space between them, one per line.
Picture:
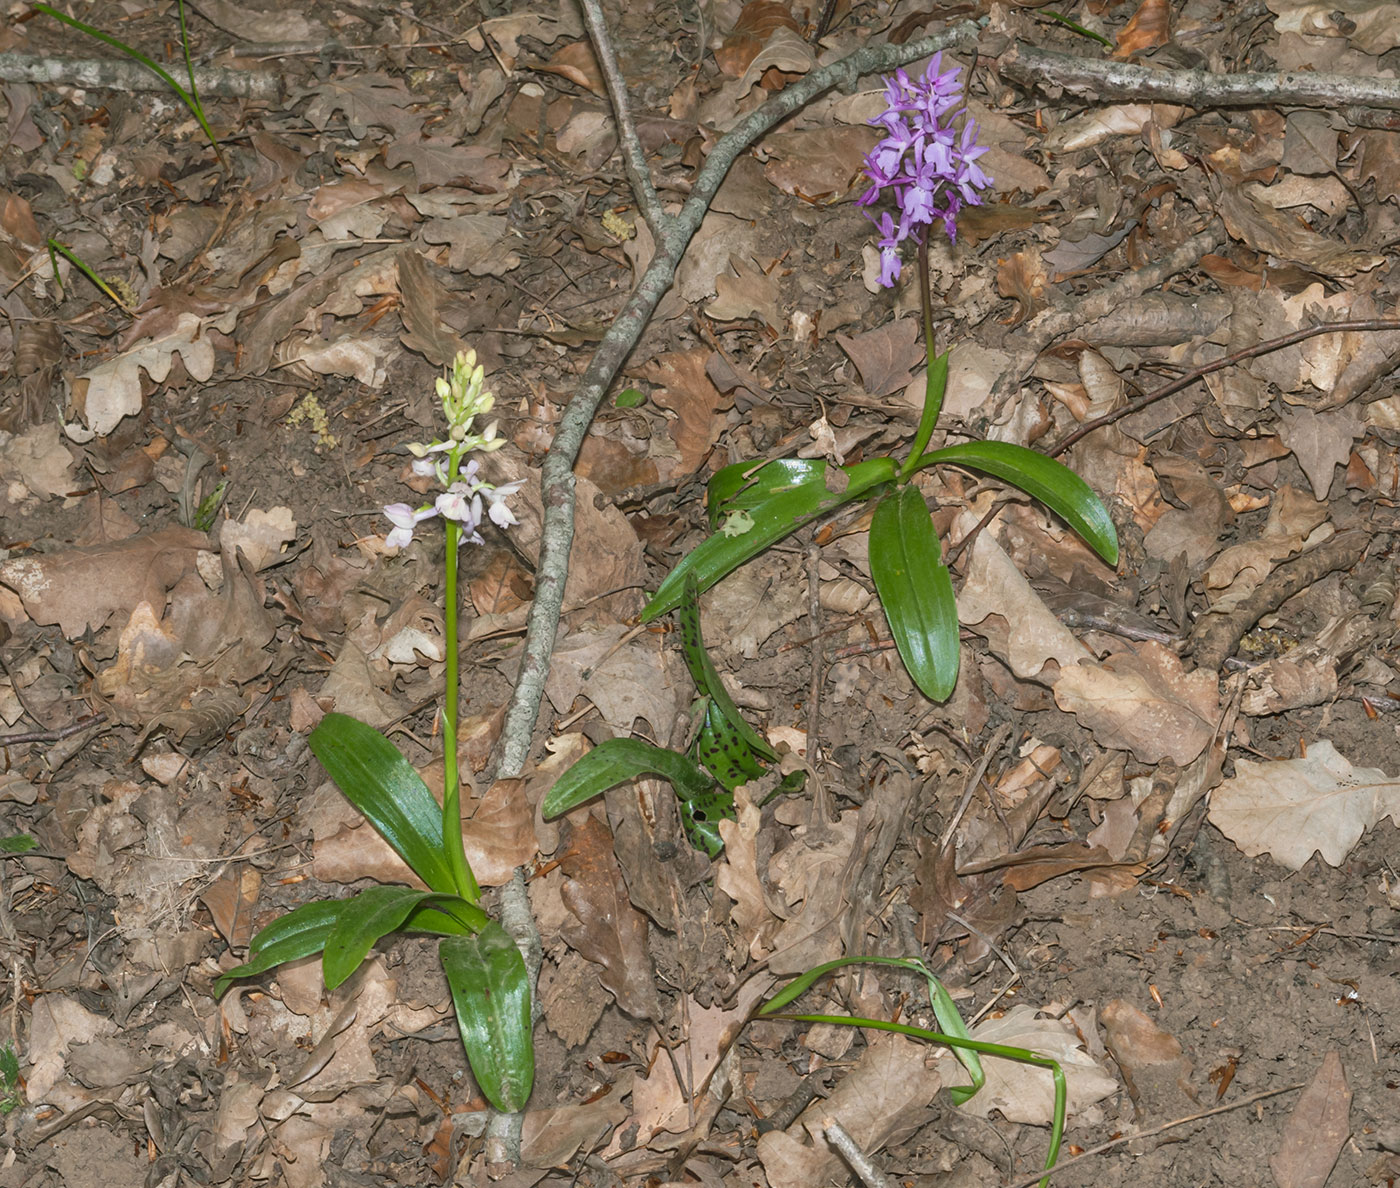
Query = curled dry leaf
x=1257 y=224
x=844 y=595
x=1149 y=1057
x=758 y=20
x=1021 y=278
x=1149 y=27
x=737 y=875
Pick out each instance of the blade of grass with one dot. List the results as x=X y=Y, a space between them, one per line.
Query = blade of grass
x=81 y=265
x=189 y=98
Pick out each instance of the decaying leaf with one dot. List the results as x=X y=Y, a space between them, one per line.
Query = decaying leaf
x=80 y=589
x=1316 y=1130
x=113 y=389
x=881 y=1099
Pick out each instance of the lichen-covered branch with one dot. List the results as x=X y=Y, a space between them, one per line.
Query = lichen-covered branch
x=1103 y=80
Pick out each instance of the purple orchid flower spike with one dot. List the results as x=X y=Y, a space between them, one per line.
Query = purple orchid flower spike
x=925 y=161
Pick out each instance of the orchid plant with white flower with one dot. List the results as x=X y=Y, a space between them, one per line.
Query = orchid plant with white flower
x=485 y=971
x=465 y=495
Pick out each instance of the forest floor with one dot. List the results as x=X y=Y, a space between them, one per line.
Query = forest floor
x=1151 y=834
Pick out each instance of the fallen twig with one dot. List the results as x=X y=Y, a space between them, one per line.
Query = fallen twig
x=56 y=735
x=856 y=1159
x=1185 y=381
x=122 y=74
x=1100 y=80
x=1074 y=314
x=1216 y=636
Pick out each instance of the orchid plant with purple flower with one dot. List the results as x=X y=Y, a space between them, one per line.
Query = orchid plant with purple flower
x=485 y=971
x=927 y=163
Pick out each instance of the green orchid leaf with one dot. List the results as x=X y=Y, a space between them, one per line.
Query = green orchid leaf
x=491 y=991
x=383 y=785
x=805 y=981
x=619 y=759
x=936 y=384
x=373 y=913
x=792 y=784
x=951 y=1021
x=700 y=818
x=745 y=485
x=298 y=934
x=725 y=752
x=445 y=917
x=1052 y=483
x=915 y=590
x=707 y=680
x=773 y=519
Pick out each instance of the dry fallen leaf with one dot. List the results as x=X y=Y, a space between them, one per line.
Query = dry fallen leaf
x=1022 y=1092
x=80 y=589
x=112 y=390
x=882 y=1099
x=1316 y=1130
x=1149 y=27
x=607 y=929
x=1290 y=808
x=1143 y=701
x=885 y=356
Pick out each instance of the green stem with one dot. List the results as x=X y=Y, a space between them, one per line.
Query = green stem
x=73 y=258
x=935 y=370
x=451 y=779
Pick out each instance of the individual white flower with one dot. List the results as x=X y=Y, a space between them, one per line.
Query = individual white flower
x=460 y=503
x=500 y=514
x=404 y=519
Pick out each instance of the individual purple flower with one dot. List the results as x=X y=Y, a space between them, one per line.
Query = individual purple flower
x=925 y=161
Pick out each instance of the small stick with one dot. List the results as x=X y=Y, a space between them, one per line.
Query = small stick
x=1027 y=1181
x=1185 y=381
x=859 y=1162
x=814 y=688
x=119 y=74
x=57 y=735
x=1070 y=316
x=632 y=155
